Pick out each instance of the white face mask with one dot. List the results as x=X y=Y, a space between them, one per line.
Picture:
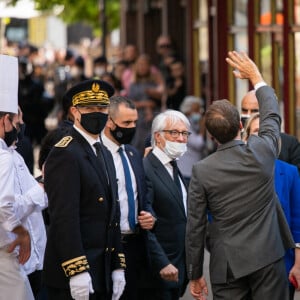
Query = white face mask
x=99 y=71
x=174 y=149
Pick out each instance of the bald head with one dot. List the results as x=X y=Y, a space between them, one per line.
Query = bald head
x=249 y=103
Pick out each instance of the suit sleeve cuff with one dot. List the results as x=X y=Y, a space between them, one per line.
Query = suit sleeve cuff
x=259 y=85
x=75 y=266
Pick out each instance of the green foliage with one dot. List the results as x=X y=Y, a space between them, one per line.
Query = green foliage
x=87 y=11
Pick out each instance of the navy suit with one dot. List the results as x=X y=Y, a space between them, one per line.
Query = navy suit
x=137 y=166
x=166 y=242
x=135 y=248
x=133 y=243
x=84 y=231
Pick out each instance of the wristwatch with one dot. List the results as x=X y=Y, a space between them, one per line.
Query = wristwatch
x=297 y=245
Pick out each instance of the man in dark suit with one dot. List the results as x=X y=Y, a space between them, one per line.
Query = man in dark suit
x=248 y=234
x=290 y=146
x=167 y=191
x=118 y=132
x=83 y=253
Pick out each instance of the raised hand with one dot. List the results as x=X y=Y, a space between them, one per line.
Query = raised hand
x=244 y=67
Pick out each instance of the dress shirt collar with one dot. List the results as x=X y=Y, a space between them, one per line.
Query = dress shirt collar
x=109 y=144
x=89 y=139
x=161 y=155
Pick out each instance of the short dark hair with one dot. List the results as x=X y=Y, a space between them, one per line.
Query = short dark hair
x=222 y=121
x=115 y=101
x=48 y=142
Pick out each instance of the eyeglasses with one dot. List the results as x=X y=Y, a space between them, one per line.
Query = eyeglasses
x=176 y=133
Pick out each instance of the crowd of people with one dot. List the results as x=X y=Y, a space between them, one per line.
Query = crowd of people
x=130 y=195
x=45 y=75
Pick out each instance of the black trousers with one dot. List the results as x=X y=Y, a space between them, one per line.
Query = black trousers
x=160 y=294
x=269 y=282
x=135 y=254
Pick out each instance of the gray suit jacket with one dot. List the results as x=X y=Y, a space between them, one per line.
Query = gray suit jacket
x=235 y=184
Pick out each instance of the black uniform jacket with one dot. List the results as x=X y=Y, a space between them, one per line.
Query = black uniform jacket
x=84 y=232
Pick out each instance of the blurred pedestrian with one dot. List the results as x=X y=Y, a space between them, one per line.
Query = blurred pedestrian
x=290 y=146
x=146 y=90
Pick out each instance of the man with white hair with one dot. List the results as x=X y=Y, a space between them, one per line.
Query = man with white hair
x=168 y=194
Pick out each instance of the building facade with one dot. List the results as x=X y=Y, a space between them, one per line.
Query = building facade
x=205 y=30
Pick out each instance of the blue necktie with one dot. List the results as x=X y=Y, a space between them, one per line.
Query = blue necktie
x=129 y=190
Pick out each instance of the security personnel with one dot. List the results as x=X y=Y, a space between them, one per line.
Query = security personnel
x=83 y=253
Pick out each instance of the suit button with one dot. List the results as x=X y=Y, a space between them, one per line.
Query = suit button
x=101 y=199
x=112 y=249
x=106 y=249
x=116 y=224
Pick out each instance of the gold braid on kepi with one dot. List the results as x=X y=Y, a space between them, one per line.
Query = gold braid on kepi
x=91 y=92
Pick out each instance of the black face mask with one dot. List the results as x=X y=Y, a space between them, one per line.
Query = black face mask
x=21 y=132
x=11 y=136
x=123 y=135
x=93 y=122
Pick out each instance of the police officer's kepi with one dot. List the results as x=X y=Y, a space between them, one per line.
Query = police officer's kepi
x=88 y=93
x=9 y=78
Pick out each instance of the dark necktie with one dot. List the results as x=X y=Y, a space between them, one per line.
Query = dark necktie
x=100 y=158
x=129 y=190
x=176 y=176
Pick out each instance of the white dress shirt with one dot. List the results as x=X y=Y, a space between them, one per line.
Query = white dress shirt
x=113 y=148
x=88 y=138
x=165 y=160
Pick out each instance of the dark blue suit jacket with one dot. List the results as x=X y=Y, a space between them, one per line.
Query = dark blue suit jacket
x=136 y=163
x=287 y=186
x=166 y=242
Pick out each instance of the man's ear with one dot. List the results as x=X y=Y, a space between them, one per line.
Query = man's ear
x=110 y=124
x=157 y=137
x=241 y=125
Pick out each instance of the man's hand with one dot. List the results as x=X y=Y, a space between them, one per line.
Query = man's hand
x=198 y=288
x=295 y=270
x=169 y=273
x=146 y=220
x=245 y=67
x=22 y=240
x=118 y=278
x=81 y=286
